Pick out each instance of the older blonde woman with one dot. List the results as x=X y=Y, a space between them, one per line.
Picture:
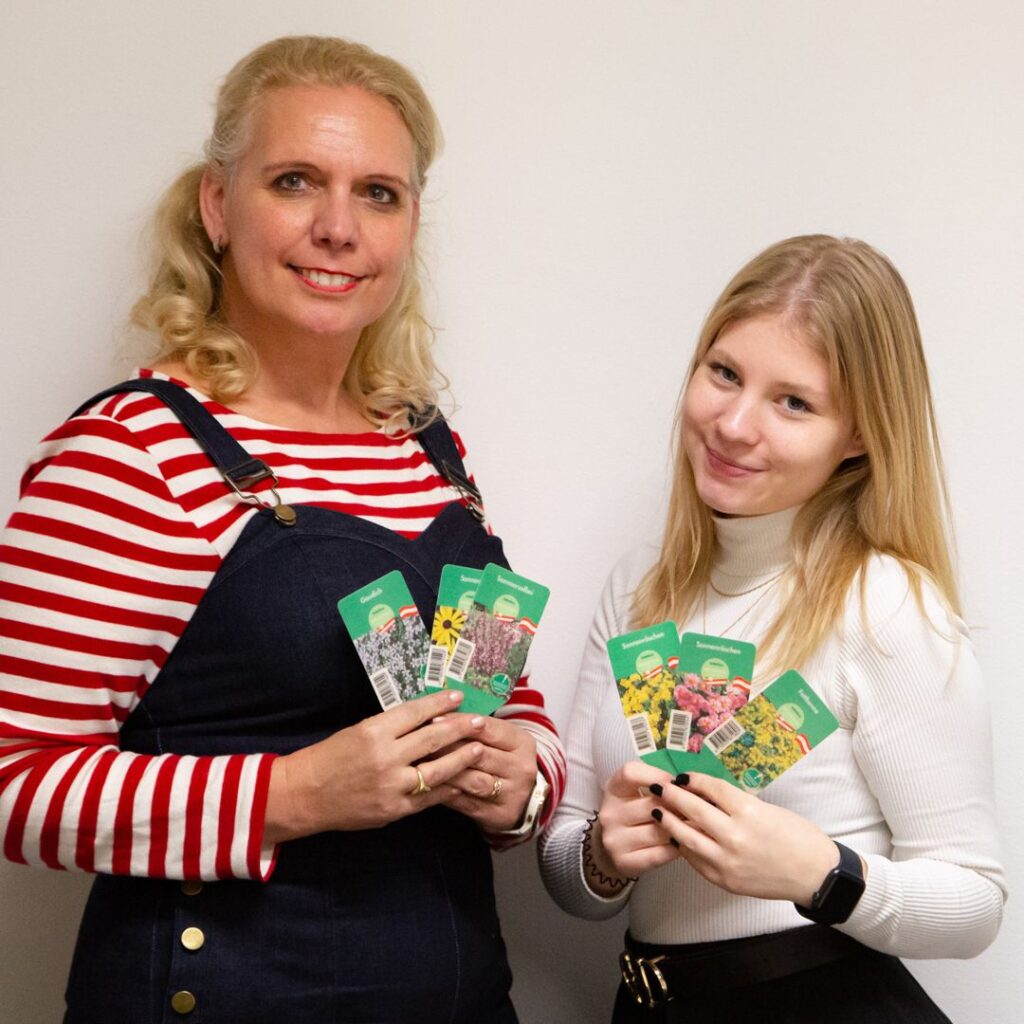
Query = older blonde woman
x=807 y=515
x=182 y=710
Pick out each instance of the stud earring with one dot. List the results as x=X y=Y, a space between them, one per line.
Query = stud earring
x=218 y=245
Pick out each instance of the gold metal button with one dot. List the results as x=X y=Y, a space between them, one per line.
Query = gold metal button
x=193 y=938
x=183 y=1002
x=192 y=888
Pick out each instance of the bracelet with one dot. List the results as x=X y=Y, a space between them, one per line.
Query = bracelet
x=591 y=869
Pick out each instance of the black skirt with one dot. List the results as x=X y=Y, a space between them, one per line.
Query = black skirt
x=857 y=986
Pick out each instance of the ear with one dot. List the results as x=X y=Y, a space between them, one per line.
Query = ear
x=211 y=205
x=855 y=448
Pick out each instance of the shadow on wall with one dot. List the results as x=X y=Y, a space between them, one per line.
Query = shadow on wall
x=565 y=969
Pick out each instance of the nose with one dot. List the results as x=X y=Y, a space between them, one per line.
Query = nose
x=336 y=220
x=739 y=420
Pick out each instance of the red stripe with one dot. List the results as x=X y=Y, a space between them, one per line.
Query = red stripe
x=79 y=497
x=121 y=863
x=85 y=848
x=257 y=820
x=56 y=709
x=64 y=569
x=160 y=816
x=14 y=839
x=226 y=817
x=194 y=818
x=112 y=469
x=81 y=678
x=72 y=533
x=49 y=847
x=66 y=641
x=54 y=601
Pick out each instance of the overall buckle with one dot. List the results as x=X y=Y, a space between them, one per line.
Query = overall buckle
x=644 y=980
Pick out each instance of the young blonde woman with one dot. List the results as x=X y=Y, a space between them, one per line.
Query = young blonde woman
x=181 y=709
x=808 y=515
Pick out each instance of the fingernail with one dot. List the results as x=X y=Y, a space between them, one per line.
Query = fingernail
x=656 y=814
x=674 y=842
x=476 y=721
x=682 y=779
x=656 y=789
x=455 y=696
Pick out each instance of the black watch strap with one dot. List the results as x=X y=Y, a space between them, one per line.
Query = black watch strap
x=839 y=893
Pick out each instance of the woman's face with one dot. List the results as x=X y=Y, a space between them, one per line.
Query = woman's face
x=318 y=215
x=761 y=426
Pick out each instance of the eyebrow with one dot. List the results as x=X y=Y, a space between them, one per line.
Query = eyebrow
x=281 y=166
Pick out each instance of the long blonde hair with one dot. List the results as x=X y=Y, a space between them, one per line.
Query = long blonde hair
x=849 y=302
x=391 y=376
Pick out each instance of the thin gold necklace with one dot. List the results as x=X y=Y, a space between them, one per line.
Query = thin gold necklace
x=766 y=584
x=749 y=590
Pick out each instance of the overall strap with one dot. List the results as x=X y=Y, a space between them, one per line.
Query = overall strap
x=437 y=441
x=236 y=465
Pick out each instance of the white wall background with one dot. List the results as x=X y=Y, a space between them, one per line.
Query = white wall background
x=608 y=166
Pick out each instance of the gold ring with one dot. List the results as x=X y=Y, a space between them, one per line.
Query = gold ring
x=421 y=786
x=495 y=790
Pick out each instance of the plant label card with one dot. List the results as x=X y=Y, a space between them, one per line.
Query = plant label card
x=389 y=637
x=489 y=656
x=644 y=665
x=781 y=725
x=455 y=596
x=714 y=682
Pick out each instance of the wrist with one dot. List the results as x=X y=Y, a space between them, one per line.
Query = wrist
x=599 y=873
x=839 y=892
x=287 y=813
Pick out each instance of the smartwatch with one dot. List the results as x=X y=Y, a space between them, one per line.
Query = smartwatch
x=834 y=901
x=534 y=806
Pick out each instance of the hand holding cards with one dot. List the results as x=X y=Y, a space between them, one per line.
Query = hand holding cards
x=686 y=702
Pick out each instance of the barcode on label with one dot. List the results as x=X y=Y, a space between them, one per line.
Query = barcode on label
x=678 y=730
x=437 y=658
x=460 y=659
x=728 y=732
x=643 y=738
x=385 y=688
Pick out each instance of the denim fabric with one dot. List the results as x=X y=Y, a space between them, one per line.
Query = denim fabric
x=385 y=925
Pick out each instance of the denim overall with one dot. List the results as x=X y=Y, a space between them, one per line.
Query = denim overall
x=391 y=924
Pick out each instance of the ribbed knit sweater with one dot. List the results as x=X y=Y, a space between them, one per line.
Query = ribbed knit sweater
x=906 y=781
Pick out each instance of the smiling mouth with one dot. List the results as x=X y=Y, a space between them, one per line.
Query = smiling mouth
x=325 y=280
x=722 y=465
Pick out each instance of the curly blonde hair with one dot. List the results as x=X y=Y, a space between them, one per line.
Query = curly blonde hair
x=848 y=301
x=391 y=376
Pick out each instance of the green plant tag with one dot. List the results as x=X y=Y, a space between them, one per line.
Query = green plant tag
x=644 y=665
x=455 y=596
x=389 y=637
x=779 y=727
x=489 y=655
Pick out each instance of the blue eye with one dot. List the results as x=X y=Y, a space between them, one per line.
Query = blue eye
x=381 y=194
x=293 y=181
x=794 y=404
x=724 y=372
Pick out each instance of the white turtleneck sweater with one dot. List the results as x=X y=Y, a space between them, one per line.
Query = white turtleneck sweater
x=906 y=780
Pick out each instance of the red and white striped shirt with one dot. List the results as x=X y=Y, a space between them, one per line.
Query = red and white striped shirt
x=122 y=523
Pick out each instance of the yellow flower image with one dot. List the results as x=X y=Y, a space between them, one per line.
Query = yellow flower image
x=766 y=747
x=447 y=629
x=651 y=697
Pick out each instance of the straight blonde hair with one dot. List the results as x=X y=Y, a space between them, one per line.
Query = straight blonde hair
x=851 y=304
x=391 y=376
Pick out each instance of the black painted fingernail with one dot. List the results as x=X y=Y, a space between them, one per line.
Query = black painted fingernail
x=656 y=814
x=674 y=842
x=682 y=779
x=656 y=789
